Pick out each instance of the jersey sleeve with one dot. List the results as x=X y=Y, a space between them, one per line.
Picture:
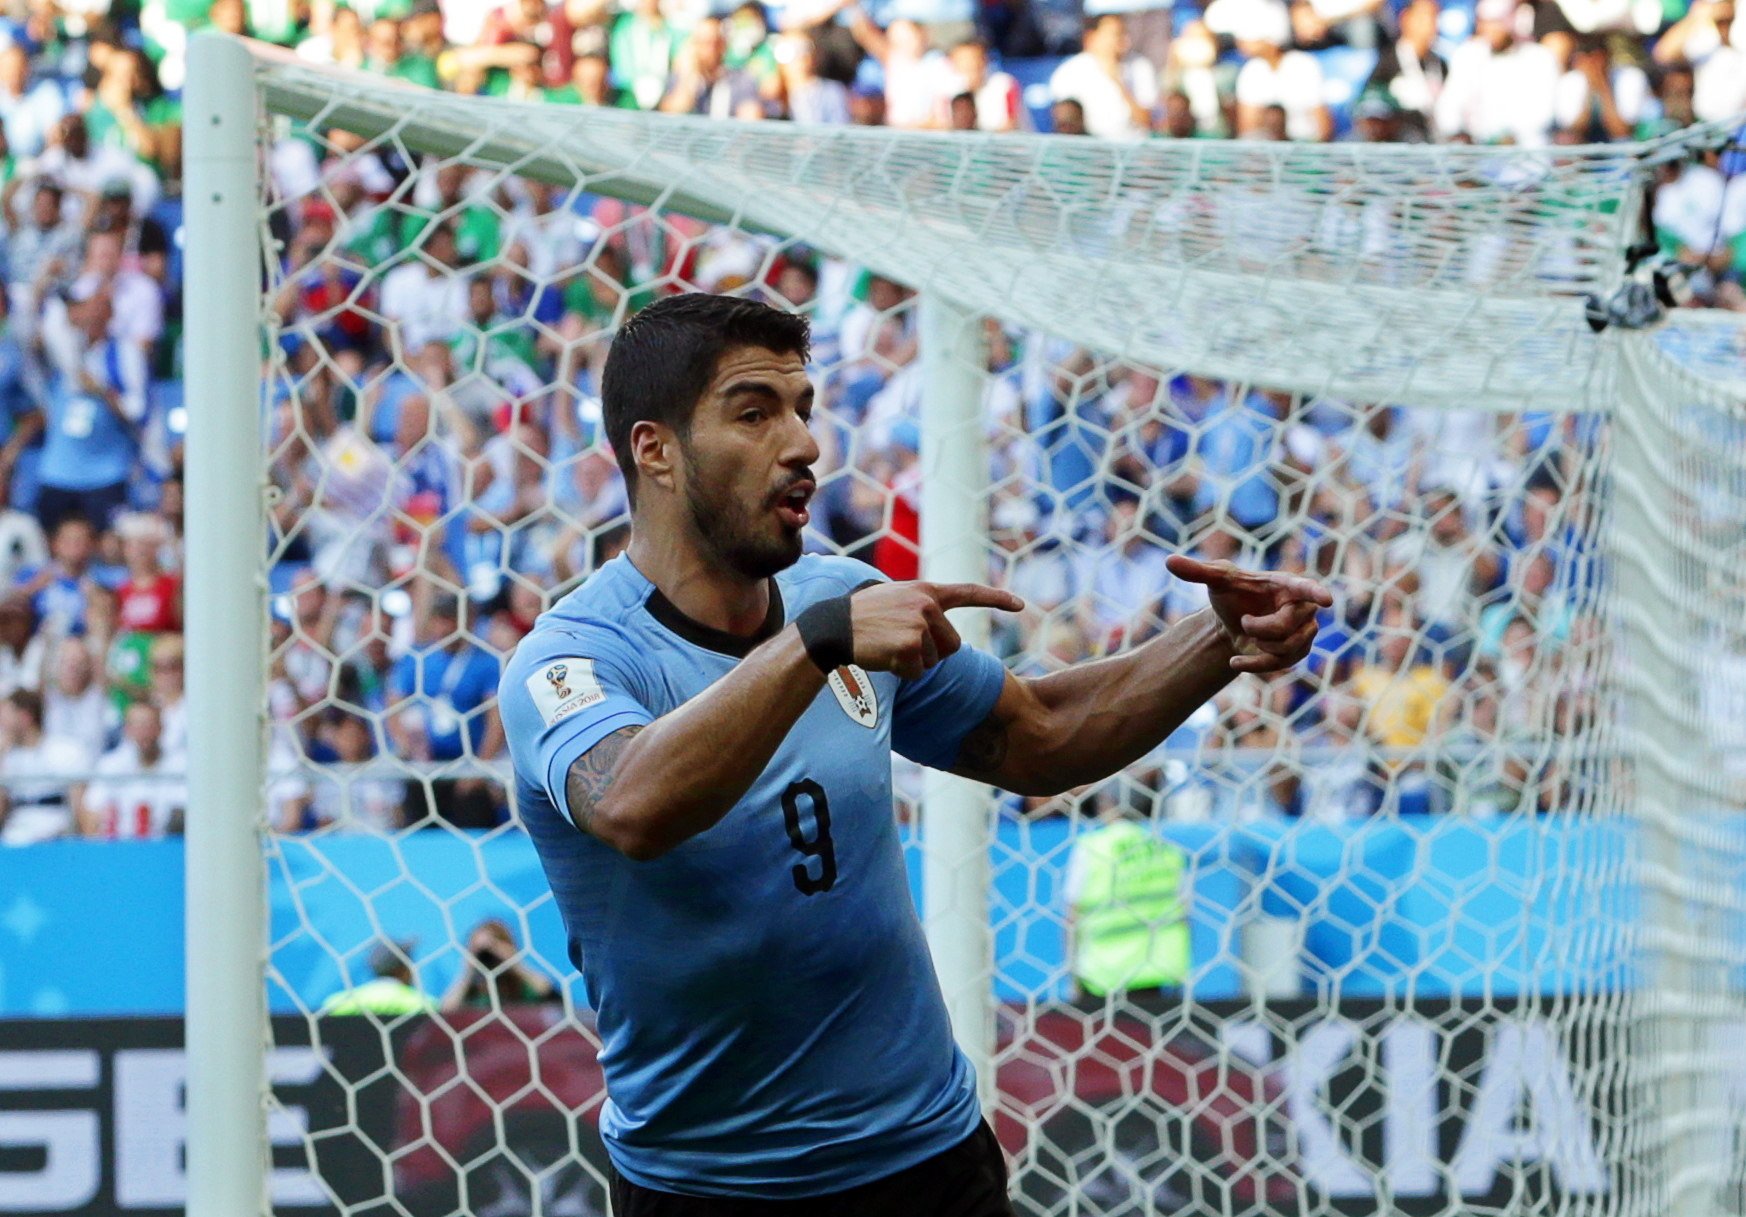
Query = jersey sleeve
x=563 y=695
x=936 y=711
x=932 y=714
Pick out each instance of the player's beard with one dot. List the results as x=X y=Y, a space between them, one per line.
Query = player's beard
x=743 y=535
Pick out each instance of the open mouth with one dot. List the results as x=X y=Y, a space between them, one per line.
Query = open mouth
x=791 y=505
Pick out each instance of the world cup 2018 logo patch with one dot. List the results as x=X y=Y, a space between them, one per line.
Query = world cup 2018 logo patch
x=854 y=693
x=557 y=674
x=560 y=687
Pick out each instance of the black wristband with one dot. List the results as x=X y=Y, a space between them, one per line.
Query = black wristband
x=828 y=633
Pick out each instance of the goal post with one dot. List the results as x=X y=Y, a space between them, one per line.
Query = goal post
x=1449 y=923
x=227 y=644
x=954 y=463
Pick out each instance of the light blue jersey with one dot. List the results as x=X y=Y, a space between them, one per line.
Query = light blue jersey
x=769 y=1017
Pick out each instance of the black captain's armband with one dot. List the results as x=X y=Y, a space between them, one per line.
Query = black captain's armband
x=828 y=633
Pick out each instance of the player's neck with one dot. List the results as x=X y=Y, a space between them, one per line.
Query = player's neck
x=703 y=589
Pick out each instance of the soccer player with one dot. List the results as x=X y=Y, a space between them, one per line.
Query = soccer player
x=702 y=735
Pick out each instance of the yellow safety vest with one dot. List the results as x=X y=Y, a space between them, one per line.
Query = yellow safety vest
x=1131 y=928
x=384 y=996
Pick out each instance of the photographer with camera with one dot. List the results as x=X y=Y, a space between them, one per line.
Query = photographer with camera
x=493 y=975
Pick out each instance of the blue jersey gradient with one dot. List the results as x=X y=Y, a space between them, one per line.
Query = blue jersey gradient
x=770 y=1020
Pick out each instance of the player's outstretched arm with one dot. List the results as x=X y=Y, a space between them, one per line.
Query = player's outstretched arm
x=644 y=790
x=1056 y=732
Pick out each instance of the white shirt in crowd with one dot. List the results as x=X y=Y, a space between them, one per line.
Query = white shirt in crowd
x=1295 y=82
x=425 y=308
x=1000 y=103
x=357 y=802
x=1081 y=78
x=84 y=718
x=1445 y=575
x=37 y=778
x=916 y=88
x=132 y=800
x=1701 y=209
x=1718 y=87
x=137 y=303
x=23 y=669
x=1123 y=587
x=1573 y=98
x=1492 y=96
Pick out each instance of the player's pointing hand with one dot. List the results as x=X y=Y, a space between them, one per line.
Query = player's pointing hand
x=1269 y=616
x=902 y=627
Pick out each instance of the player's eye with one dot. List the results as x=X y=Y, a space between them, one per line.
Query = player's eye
x=751 y=416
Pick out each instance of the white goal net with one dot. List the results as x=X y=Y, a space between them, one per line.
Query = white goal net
x=1448 y=921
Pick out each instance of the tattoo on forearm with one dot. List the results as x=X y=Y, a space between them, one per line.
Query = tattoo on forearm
x=590 y=776
x=983 y=751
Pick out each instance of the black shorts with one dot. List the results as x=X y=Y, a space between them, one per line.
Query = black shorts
x=968 y=1180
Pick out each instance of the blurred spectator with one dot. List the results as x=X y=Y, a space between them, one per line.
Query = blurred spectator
x=1125 y=887
x=392 y=991
x=1276 y=76
x=1116 y=90
x=806 y=96
x=62 y=589
x=1700 y=218
x=30 y=109
x=386 y=54
x=1400 y=692
x=169 y=690
x=41 y=774
x=1502 y=85
x=641 y=53
x=1123 y=579
x=23 y=647
x=1341 y=780
x=136 y=300
x=1409 y=72
x=997 y=101
x=443 y=708
x=702 y=82
x=351 y=799
x=425 y=298
x=96 y=405
x=1450 y=565
x=87 y=168
x=493 y=974
x=1193 y=70
x=915 y=78
x=1597 y=99
x=138 y=790
x=150 y=597
x=42 y=246
x=1709 y=36
x=73 y=698
x=1067 y=117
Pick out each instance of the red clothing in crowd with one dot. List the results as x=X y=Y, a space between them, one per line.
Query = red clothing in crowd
x=152 y=607
x=897 y=552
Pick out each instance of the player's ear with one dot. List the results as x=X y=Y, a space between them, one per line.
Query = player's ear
x=655 y=449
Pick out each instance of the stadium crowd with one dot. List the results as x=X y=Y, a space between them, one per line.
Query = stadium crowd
x=434 y=424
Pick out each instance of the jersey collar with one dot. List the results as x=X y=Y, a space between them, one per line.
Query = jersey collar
x=708 y=637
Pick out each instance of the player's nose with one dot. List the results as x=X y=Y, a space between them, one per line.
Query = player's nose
x=800 y=447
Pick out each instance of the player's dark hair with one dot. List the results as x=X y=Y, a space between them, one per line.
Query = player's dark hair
x=664 y=358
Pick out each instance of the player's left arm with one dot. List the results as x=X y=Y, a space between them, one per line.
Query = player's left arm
x=1052 y=733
